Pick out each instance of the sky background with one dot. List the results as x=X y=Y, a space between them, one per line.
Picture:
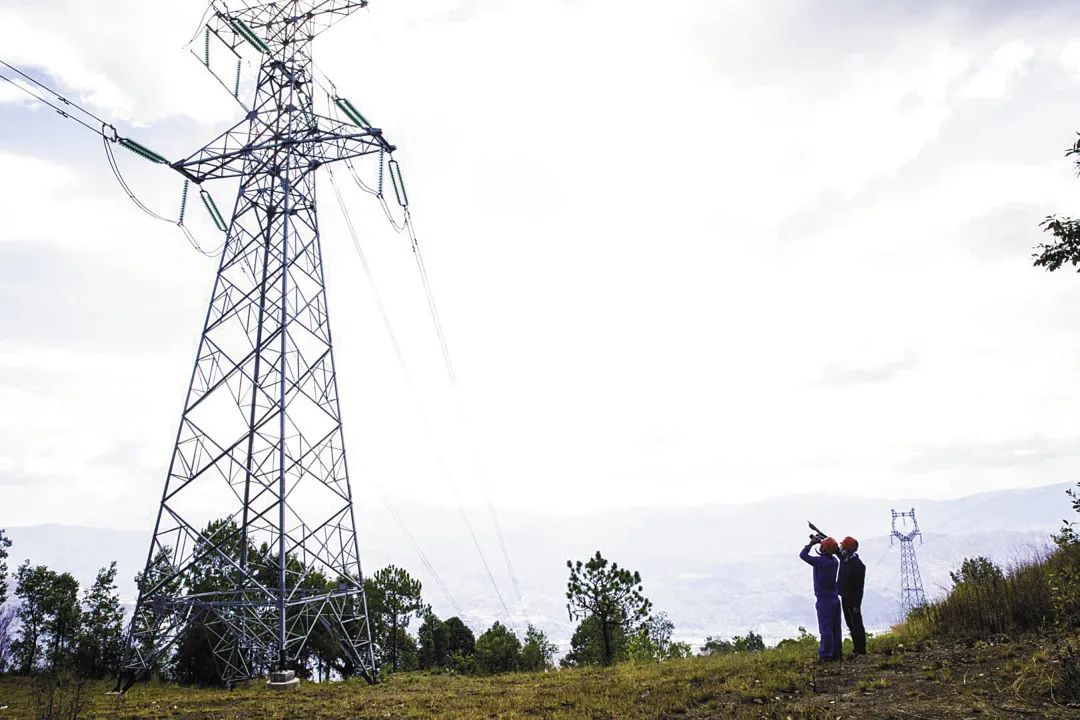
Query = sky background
x=685 y=253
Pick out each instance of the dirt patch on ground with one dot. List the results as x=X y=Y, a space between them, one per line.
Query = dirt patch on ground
x=935 y=680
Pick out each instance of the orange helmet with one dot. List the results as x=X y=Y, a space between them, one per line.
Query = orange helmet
x=829 y=546
x=849 y=544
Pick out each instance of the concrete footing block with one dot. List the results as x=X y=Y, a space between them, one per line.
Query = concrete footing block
x=283 y=680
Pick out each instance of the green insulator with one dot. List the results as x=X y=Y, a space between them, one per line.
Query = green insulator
x=141 y=150
x=211 y=207
x=183 y=201
x=398 y=183
x=248 y=34
x=353 y=114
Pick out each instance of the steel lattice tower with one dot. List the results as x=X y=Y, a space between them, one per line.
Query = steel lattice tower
x=911 y=588
x=260 y=439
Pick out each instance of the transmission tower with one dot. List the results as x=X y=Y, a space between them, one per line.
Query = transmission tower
x=911 y=588
x=260 y=440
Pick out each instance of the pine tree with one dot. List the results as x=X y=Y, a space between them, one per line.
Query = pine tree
x=611 y=595
x=462 y=639
x=101 y=633
x=434 y=638
x=30 y=587
x=48 y=617
x=5 y=543
x=537 y=652
x=393 y=601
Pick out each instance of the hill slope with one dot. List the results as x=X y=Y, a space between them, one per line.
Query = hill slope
x=917 y=679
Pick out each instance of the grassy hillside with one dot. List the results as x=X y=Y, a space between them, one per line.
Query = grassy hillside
x=904 y=676
x=1005 y=643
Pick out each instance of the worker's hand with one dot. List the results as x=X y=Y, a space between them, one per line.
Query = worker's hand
x=815 y=539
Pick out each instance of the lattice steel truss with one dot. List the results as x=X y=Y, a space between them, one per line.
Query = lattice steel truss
x=911 y=587
x=260 y=440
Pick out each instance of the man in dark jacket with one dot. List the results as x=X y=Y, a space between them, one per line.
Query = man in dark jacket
x=852 y=580
x=825 y=590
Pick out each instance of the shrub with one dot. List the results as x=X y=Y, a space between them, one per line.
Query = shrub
x=497 y=650
x=750 y=642
x=803 y=640
x=1067 y=680
x=716 y=646
x=59 y=696
x=538 y=652
x=1063 y=575
x=987 y=600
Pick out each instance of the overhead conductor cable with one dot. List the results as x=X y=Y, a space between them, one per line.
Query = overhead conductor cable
x=408 y=377
x=402 y=197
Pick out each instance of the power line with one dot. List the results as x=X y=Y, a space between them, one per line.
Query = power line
x=408 y=376
x=407 y=225
x=62 y=112
x=454 y=384
x=111 y=157
x=108 y=136
x=420 y=553
x=432 y=308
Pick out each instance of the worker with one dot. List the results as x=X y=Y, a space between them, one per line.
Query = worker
x=826 y=566
x=852 y=580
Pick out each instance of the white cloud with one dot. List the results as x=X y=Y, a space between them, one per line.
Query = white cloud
x=652 y=235
x=991 y=81
x=15 y=92
x=126 y=62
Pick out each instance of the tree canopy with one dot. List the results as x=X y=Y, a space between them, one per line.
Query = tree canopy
x=394 y=599
x=497 y=650
x=1064 y=249
x=611 y=595
x=5 y=543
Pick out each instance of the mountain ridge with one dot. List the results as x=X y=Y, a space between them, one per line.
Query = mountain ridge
x=715 y=569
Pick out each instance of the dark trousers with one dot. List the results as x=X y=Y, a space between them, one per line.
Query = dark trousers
x=828 y=618
x=853 y=618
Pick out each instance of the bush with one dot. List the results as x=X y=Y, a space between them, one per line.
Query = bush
x=750 y=642
x=1063 y=575
x=497 y=650
x=1067 y=677
x=803 y=640
x=59 y=696
x=980 y=571
x=987 y=600
x=537 y=653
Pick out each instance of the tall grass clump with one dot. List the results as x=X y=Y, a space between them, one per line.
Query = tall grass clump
x=989 y=600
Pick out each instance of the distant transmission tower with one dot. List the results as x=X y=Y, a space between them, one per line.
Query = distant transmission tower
x=260 y=442
x=911 y=588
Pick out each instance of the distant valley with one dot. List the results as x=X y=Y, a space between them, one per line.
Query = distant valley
x=716 y=570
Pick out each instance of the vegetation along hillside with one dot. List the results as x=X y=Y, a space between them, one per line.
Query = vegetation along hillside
x=1004 y=643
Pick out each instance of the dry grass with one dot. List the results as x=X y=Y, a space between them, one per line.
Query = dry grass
x=906 y=675
x=625 y=691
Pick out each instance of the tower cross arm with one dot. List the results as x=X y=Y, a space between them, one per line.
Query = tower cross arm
x=268 y=17
x=231 y=156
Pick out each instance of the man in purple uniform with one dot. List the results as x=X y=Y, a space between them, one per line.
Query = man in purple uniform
x=826 y=567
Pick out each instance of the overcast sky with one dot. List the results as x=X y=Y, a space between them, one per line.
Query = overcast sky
x=685 y=252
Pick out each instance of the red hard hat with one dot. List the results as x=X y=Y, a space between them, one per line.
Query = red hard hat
x=849 y=544
x=829 y=546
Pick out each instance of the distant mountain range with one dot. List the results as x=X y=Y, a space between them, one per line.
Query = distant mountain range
x=716 y=570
